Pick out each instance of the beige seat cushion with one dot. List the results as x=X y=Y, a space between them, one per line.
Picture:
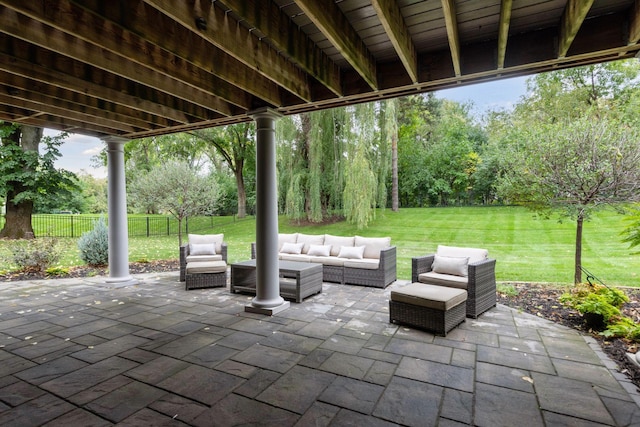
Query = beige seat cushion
x=206 y=267
x=439 y=279
x=294 y=257
x=365 y=263
x=204 y=258
x=330 y=260
x=436 y=297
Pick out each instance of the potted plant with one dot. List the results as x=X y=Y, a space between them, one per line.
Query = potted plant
x=598 y=304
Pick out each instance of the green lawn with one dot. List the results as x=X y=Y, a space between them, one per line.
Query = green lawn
x=526 y=248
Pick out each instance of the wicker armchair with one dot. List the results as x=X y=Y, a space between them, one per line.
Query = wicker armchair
x=184 y=254
x=480 y=281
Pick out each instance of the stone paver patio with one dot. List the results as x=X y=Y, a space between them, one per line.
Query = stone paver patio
x=79 y=352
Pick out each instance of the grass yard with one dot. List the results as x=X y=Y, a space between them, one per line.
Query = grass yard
x=526 y=248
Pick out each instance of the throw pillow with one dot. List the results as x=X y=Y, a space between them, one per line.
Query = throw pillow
x=456 y=266
x=352 y=252
x=202 y=248
x=291 y=248
x=319 y=250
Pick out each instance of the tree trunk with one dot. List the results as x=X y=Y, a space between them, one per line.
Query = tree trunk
x=577 y=278
x=242 y=193
x=395 y=202
x=18 y=216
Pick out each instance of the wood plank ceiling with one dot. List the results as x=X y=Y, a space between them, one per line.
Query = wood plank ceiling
x=138 y=68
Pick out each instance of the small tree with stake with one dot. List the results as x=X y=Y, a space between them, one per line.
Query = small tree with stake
x=176 y=188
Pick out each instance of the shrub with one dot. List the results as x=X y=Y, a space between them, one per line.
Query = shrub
x=36 y=255
x=94 y=244
x=57 y=271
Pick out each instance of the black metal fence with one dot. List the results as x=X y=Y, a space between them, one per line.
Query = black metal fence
x=62 y=225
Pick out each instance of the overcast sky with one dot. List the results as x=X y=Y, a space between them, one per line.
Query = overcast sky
x=77 y=150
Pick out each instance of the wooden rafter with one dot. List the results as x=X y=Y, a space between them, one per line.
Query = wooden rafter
x=451 y=21
x=157 y=69
x=634 y=25
x=503 y=31
x=229 y=36
x=574 y=15
x=391 y=18
x=328 y=17
x=61 y=74
x=267 y=17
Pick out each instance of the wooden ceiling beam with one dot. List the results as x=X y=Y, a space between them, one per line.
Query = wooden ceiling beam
x=221 y=30
x=52 y=27
x=25 y=89
x=328 y=17
x=66 y=112
x=503 y=31
x=451 y=21
x=574 y=15
x=391 y=18
x=271 y=21
x=634 y=24
x=109 y=88
x=48 y=121
x=177 y=52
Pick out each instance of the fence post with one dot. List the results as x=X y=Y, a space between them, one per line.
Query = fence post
x=72 y=233
x=186 y=225
x=147 y=226
x=168 y=230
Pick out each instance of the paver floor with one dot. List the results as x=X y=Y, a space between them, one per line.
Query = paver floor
x=80 y=352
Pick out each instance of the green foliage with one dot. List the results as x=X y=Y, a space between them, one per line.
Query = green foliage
x=623 y=327
x=36 y=254
x=506 y=289
x=176 y=188
x=632 y=231
x=94 y=244
x=57 y=271
x=31 y=176
x=597 y=299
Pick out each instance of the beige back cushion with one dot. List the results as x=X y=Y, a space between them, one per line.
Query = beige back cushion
x=373 y=245
x=200 y=239
x=286 y=238
x=474 y=254
x=310 y=239
x=337 y=242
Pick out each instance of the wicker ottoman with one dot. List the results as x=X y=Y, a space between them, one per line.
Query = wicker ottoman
x=435 y=308
x=206 y=274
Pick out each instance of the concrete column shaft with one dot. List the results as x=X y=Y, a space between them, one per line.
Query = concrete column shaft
x=268 y=282
x=117 y=211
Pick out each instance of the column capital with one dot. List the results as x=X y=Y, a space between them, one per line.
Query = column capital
x=264 y=113
x=114 y=139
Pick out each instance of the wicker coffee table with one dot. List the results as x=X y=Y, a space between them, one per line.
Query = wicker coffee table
x=298 y=280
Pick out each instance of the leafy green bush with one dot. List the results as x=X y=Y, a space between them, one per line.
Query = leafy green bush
x=94 y=244
x=605 y=301
x=36 y=255
x=57 y=271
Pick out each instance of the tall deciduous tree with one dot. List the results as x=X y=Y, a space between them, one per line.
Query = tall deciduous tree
x=178 y=189
x=235 y=144
x=27 y=177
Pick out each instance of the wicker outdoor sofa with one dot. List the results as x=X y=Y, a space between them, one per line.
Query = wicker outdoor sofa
x=464 y=268
x=353 y=260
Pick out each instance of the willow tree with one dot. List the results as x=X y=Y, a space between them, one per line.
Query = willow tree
x=361 y=184
x=310 y=164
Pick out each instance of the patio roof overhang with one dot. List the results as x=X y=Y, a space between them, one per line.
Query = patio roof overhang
x=134 y=68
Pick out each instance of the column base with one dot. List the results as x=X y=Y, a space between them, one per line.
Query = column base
x=121 y=282
x=269 y=311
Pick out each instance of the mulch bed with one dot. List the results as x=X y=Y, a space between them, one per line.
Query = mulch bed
x=537 y=299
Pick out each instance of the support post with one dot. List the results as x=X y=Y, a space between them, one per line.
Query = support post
x=267 y=299
x=117 y=214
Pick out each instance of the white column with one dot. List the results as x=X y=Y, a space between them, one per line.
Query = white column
x=117 y=212
x=268 y=299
